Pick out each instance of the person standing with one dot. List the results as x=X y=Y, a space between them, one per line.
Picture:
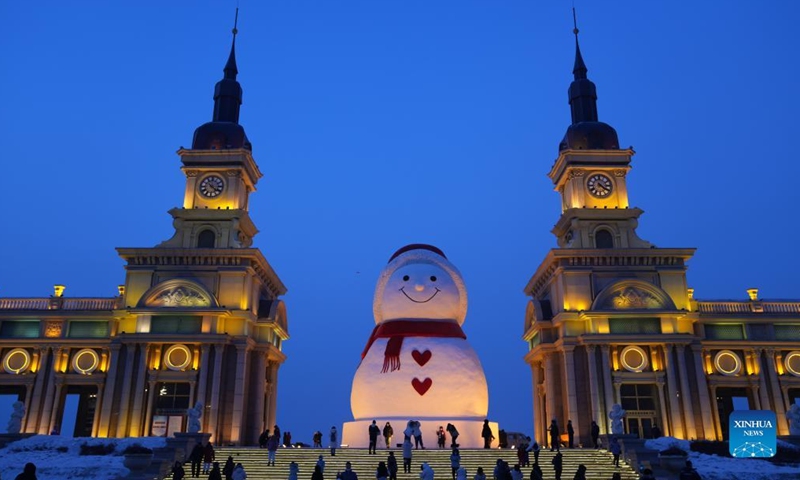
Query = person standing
x=294 y=470
x=455 y=462
x=570 y=434
x=615 y=450
x=208 y=457
x=196 y=457
x=479 y=475
x=581 y=473
x=334 y=439
x=348 y=473
x=215 y=473
x=656 y=431
x=262 y=439
x=516 y=472
x=407 y=455
x=382 y=473
x=272 y=449
x=555 y=436
x=317 y=439
x=595 y=434
x=388 y=431
x=417 y=429
x=440 y=437
x=277 y=431
x=536 y=450
x=287 y=439
x=461 y=474
x=321 y=464
x=558 y=465
x=178 y=472
x=317 y=475
x=391 y=464
x=536 y=472
x=373 y=432
x=451 y=429
x=227 y=470
x=689 y=473
x=487 y=435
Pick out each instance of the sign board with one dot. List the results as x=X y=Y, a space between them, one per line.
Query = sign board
x=752 y=433
x=159 y=427
x=175 y=424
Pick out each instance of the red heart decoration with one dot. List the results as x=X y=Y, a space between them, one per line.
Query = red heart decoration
x=423 y=386
x=421 y=358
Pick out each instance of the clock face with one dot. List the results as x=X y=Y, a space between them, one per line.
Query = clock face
x=599 y=185
x=211 y=186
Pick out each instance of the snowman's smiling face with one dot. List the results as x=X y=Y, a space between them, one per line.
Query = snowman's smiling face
x=420 y=290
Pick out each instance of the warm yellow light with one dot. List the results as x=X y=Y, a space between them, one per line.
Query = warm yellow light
x=792 y=363
x=727 y=362
x=753 y=294
x=59 y=290
x=17 y=361
x=85 y=361
x=633 y=358
x=177 y=357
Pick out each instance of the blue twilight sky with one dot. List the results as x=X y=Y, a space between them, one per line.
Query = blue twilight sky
x=382 y=123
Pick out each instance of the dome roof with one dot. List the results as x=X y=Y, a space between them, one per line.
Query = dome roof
x=220 y=136
x=590 y=136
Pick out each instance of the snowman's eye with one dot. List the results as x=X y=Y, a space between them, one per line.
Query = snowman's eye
x=433 y=278
x=405 y=278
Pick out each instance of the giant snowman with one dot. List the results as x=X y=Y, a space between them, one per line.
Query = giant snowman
x=417 y=364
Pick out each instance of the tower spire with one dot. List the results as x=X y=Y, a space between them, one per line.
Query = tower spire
x=579 y=70
x=230 y=67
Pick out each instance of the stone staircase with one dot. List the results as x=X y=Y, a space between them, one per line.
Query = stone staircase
x=254 y=460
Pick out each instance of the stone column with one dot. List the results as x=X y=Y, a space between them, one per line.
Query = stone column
x=607 y=386
x=715 y=412
x=541 y=429
x=665 y=423
x=98 y=400
x=238 y=393
x=536 y=375
x=709 y=432
x=763 y=393
x=44 y=419
x=572 y=392
x=53 y=421
x=273 y=401
x=686 y=392
x=125 y=399
x=28 y=391
x=138 y=393
x=549 y=387
x=148 y=422
x=104 y=426
x=780 y=408
x=594 y=389
x=212 y=425
x=32 y=417
x=202 y=375
x=672 y=393
x=258 y=390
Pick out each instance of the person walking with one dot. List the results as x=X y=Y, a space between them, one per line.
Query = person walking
x=294 y=470
x=178 y=472
x=272 y=449
x=558 y=465
x=536 y=449
x=382 y=473
x=441 y=437
x=455 y=462
x=388 y=431
x=348 y=473
x=373 y=432
x=555 y=436
x=479 y=475
x=487 y=435
x=451 y=429
x=215 y=473
x=334 y=439
x=407 y=455
x=580 y=474
x=536 y=472
x=227 y=470
x=570 y=434
x=615 y=449
x=321 y=464
x=317 y=475
x=196 y=457
x=391 y=465
x=239 y=473
x=595 y=434
x=208 y=457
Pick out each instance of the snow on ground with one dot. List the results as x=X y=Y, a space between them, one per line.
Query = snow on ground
x=714 y=467
x=57 y=457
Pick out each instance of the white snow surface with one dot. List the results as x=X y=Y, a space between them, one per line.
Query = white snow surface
x=714 y=467
x=52 y=464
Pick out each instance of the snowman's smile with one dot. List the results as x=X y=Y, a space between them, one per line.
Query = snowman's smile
x=402 y=289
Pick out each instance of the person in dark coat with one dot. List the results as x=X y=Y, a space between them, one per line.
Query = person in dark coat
x=688 y=472
x=391 y=464
x=503 y=439
x=28 y=473
x=317 y=475
x=595 y=434
x=536 y=450
x=570 y=434
x=348 y=473
x=196 y=457
x=455 y=462
x=536 y=472
x=441 y=437
x=487 y=435
x=581 y=473
x=317 y=439
x=388 y=432
x=227 y=470
x=178 y=472
x=262 y=439
x=555 y=436
x=208 y=457
x=287 y=439
x=656 y=431
x=451 y=429
x=277 y=431
x=374 y=431
x=615 y=449
x=558 y=465
x=382 y=473
x=272 y=448
x=215 y=473
x=407 y=455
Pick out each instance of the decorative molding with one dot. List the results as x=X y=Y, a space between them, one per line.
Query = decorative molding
x=192 y=173
x=619 y=173
x=576 y=173
x=52 y=329
x=633 y=295
x=180 y=297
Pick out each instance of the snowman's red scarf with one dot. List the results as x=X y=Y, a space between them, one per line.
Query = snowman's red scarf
x=397 y=330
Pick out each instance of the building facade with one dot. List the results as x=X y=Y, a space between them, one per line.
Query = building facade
x=199 y=318
x=611 y=319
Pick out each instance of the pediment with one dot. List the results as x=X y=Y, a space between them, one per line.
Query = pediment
x=178 y=293
x=633 y=295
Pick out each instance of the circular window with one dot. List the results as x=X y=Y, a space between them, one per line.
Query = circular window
x=727 y=362
x=177 y=357
x=17 y=361
x=792 y=363
x=85 y=361
x=633 y=358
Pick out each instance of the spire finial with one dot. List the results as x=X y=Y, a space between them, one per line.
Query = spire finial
x=230 y=67
x=579 y=70
x=236 y=22
x=575 y=23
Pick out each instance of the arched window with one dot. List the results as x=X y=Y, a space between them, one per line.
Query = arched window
x=206 y=239
x=603 y=239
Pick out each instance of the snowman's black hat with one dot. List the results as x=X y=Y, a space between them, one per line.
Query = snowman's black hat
x=417 y=246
